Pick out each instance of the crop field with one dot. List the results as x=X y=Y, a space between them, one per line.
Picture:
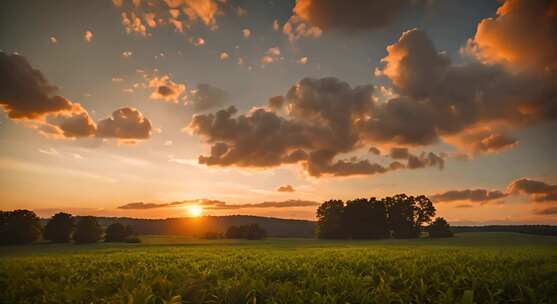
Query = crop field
x=469 y=268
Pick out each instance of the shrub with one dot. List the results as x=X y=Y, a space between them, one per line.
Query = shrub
x=19 y=227
x=59 y=228
x=250 y=232
x=116 y=232
x=439 y=228
x=88 y=230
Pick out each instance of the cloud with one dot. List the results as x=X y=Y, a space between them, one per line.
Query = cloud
x=523 y=35
x=311 y=17
x=472 y=195
x=205 y=97
x=374 y=150
x=139 y=16
x=540 y=191
x=220 y=205
x=547 y=211
x=53 y=40
x=24 y=91
x=471 y=104
x=126 y=124
x=199 y=41
x=286 y=188
x=224 y=56
x=126 y=54
x=166 y=89
x=319 y=123
x=271 y=55
x=26 y=95
x=303 y=60
x=88 y=36
x=246 y=33
x=399 y=153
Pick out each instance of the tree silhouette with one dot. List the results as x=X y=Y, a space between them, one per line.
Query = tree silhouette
x=116 y=232
x=407 y=214
x=330 y=220
x=250 y=232
x=439 y=228
x=19 y=227
x=59 y=228
x=365 y=219
x=88 y=230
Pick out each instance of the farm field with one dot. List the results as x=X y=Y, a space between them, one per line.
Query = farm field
x=469 y=268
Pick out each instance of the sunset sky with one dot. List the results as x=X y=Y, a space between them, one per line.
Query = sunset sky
x=146 y=108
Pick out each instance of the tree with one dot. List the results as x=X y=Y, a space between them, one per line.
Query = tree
x=439 y=228
x=250 y=232
x=88 y=230
x=330 y=220
x=407 y=214
x=19 y=227
x=59 y=228
x=365 y=219
x=116 y=232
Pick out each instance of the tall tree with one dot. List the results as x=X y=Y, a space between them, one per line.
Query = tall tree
x=88 y=230
x=330 y=220
x=365 y=219
x=59 y=228
x=407 y=214
x=19 y=227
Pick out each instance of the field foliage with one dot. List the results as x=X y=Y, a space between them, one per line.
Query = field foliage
x=474 y=267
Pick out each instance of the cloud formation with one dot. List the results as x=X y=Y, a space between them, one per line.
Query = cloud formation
x=140 y=16
x=286 y=188
x=205 y=97
x=208 y=204
x=166 y=89
x=24 y=91
x=316 y=121
x=472 y=195
x=540 y=191
x=523 y=35
x=126 y=124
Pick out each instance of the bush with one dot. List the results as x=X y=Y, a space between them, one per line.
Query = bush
x=250 y=232
x=88 y=230
x=439 y=228
x=59 y=228
x=19 y=227
x=116 y=232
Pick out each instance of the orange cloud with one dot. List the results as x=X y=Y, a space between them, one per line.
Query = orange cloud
x=523 y=35
x=166 y=89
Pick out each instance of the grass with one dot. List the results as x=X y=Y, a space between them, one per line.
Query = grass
x=472 y=267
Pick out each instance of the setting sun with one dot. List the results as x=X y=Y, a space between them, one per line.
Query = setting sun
x=195 y=210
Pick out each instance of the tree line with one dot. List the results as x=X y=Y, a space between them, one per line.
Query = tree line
x=24 y=226
x=398 y=216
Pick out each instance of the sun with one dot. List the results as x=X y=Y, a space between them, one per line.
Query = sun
x=195 y=210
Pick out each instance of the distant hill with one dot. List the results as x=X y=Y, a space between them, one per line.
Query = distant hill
x=528 y=229
x=275 y=227
x=199 y=226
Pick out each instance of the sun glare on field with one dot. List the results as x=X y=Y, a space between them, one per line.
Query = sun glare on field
x=195 y=210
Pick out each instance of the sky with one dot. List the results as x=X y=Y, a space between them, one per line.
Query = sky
x=154 y=108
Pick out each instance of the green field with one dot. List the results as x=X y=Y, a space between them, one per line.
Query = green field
x=471 y=267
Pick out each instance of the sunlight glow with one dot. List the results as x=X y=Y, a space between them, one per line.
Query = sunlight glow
x=195 y=210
